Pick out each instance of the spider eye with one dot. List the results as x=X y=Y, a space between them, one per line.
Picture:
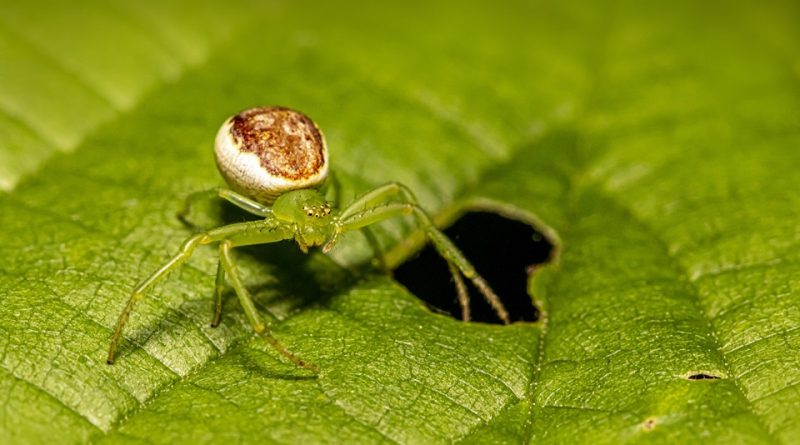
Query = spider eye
x=310 y=213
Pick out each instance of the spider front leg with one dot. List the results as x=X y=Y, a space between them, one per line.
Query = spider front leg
x=138 y=293
x=229 y=267
x=376 y=206
x=248 y=233
x=333 y=190
x=227 y=262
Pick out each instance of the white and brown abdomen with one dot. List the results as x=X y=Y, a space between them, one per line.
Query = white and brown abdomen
x=266 y=151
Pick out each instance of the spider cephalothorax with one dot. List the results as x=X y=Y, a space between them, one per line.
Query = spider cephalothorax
x=310 y=215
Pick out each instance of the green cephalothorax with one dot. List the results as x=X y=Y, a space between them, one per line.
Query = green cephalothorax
x=303 y=207
x=310 y=215
x=273 y=157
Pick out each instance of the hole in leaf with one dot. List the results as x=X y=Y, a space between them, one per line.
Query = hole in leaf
x=702 y=376
x=501 y=249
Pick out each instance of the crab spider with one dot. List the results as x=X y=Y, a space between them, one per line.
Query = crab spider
x=274 y=159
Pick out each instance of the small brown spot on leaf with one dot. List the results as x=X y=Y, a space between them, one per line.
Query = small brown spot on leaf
x=649 y=424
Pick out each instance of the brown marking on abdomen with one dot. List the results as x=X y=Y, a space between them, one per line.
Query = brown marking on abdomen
x=287 y=142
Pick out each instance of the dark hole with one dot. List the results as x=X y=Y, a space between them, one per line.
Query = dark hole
x=501 y=249
x=702 y=377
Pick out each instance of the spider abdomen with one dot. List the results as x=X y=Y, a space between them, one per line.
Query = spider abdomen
x=264 y=152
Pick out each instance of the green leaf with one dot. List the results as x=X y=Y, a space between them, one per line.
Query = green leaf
x=657 y=145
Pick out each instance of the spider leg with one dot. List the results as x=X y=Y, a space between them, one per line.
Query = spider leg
x=138 y=293
x=453 y=255
x=368 y=210
x=461 y=290
x=333 y=188
x=376 y=197
x=380 y=259
x=365 y=202
x=253 y=232
x=371 y=199
x=250 y=309
x=219 y=288
x=245 y=203
x=236 y=282
x=241 y=201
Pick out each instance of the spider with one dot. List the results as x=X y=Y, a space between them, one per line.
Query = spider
x=275 y=160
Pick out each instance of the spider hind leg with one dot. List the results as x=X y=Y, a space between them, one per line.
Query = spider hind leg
x=395 y=199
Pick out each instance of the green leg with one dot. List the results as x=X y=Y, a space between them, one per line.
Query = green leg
x=461 y=291
x=377 y=253
x=454 y=256
x=376 y=197
x=373 y=215
x=253 y=232
x=236 y=282
x=440 y=241
x=138 y=293
x=219 y=288
x=245 y=203
x=241 y=201
x=333 y=191
x=250 y=309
